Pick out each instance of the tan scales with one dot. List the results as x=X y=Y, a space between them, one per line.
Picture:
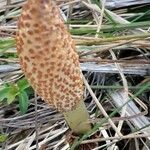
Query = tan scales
x=48 y=55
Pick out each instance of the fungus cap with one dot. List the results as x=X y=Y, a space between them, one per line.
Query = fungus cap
x=48 y=55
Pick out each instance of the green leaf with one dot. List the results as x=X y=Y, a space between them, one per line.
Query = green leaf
x=3 y=138
x=13 y=92
x=23 y=102
x=10 y=98
x=4 y=93
x=23 y=84
x=9 y=92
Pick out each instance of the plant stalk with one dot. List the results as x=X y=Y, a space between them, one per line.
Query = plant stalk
x=78 y=119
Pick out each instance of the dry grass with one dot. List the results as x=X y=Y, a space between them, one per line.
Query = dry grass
x=114 y=53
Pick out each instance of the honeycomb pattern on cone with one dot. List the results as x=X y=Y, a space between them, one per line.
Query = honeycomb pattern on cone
x=47 y=55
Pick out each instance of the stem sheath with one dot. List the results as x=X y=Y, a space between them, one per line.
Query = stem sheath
x=78 y=119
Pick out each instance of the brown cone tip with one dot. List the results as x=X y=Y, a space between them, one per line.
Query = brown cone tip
x=48 y=55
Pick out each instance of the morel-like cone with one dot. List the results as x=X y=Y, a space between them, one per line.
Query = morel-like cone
x=48 y=55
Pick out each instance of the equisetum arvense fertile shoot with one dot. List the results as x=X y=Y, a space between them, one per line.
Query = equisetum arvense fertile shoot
x=50 y=62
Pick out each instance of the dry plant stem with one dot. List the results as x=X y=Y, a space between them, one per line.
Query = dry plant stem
x=78 y=119
x=98 y=60
x=107 y=48
x=117 y=138
x=125 y=84
x=100 y=107
x=95 y=15
x=36 y=122
x=101 y=18
x=99 y=40
x=6 y=11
